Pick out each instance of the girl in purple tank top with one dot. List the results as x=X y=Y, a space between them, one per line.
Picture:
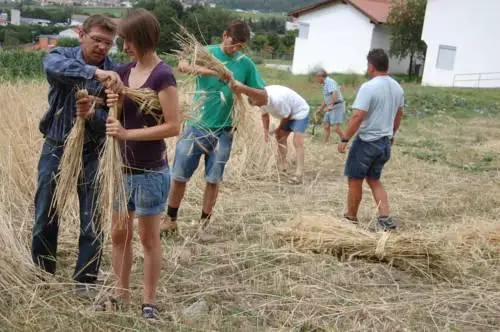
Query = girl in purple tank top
x=143 y=149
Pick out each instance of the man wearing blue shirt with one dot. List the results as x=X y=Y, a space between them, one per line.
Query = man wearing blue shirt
x=68 y=69
x=333 y=102
x=377 y=114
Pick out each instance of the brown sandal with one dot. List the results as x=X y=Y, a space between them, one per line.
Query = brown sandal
x=354 y=220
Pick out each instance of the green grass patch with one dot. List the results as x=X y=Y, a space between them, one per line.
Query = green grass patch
x=116 y=12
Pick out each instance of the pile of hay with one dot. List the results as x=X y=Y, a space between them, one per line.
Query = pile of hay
x=431 y=254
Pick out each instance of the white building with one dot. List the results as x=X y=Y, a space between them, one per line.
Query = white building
x=15 y=17
x=463 y=48
x=292 y=25
x=338 y=34
x=73 y=33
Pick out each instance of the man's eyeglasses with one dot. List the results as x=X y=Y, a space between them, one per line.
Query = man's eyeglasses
x=97 y=40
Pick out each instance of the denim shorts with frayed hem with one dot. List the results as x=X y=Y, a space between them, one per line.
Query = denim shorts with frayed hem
x=195 y=142
x=336 y=115
x=147 y=192
x=297 y=126
x=367 y=159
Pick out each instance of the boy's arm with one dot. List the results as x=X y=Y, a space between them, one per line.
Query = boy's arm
x=259 y=96
x=252 y=85
x=185 y=67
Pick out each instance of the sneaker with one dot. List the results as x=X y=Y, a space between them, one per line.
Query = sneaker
x=386 y=223
x=204 y=236
x=150 y=311
x=88 y=291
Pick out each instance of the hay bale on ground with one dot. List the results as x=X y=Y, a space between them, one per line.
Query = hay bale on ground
x=431 y=253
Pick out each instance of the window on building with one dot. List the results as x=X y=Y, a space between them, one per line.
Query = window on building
x=303 y=30
x=446 y=57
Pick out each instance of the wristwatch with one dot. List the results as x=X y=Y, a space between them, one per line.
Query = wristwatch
x=344 y=140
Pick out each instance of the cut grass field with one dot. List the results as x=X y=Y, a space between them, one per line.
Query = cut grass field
x=443 y=178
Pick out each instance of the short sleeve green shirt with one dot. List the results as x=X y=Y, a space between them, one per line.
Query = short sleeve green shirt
x=217 y=96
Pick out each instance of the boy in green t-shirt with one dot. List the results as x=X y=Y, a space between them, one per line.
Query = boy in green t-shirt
x=211 y=134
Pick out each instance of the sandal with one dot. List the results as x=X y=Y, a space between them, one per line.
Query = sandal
x=109 y=304
x=150 y=311
x=354 y=220
x=294 y=180
x=168 y=228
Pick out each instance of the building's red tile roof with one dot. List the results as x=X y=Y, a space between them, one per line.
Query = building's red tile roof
x=375 y=10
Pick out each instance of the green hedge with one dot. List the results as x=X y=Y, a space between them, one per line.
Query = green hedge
x=18 y=65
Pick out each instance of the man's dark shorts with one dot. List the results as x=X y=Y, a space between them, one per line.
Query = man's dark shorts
x=367 y=159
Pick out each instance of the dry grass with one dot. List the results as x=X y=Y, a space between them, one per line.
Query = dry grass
x=250 y=281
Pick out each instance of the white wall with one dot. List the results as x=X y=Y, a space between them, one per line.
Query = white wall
x=68 y=33
x=382 y=39
x=473 y=27
x=339 y=40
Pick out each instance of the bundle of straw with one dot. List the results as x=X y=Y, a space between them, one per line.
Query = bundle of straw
x=71 y=164
x=147 y=100
x=191 y=49
x=110 y=176
x=320 y=234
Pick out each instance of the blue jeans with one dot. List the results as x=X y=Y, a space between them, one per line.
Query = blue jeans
x=195 y=142
x=147 y=192
x=367 y=159
x=297 y=126
x=46 y=225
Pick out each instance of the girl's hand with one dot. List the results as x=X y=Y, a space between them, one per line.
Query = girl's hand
x=112 y=98
x=115 y=129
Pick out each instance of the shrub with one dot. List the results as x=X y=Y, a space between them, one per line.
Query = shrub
x=68 y=42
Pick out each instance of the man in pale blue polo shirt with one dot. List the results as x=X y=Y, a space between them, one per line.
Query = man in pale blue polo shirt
x=377 y=114
x=333 y=101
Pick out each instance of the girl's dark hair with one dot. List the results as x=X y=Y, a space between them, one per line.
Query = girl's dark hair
x=142 y=29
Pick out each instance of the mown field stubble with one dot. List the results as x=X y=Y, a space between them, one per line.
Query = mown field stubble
x=284 y=261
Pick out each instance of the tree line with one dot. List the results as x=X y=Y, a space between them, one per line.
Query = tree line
x=273 y=6
x=269 y=36
x=208 y=25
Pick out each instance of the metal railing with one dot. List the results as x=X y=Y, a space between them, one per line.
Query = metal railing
x=476 y=79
